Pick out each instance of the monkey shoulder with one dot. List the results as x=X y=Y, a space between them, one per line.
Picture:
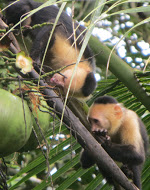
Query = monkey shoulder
x=130 y=130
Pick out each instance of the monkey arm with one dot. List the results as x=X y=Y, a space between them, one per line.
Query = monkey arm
x=123 y=153
x=86 y=159
x=119 y=152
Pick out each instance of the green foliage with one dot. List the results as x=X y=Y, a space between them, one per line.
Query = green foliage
x=29 y=170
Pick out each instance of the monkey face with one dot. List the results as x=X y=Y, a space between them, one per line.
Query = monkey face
x=99 y=123
x=98 y=118
x=63 y=81
x=105 y=116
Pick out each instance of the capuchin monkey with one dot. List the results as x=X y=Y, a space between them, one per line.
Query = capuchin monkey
x=63 y=49
x=121 y=133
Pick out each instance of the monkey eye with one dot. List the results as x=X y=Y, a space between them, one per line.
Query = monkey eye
x=96 y=121
x=92 y=120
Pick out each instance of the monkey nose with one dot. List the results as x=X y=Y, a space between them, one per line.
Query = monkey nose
x=93 y=129
x=57 y=81
x=53 y=80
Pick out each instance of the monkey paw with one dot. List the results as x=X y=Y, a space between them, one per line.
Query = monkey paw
x=127 y=171
x=101 y=136
x=100 y=132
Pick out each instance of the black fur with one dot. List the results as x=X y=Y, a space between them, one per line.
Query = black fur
x=48 y=14
x=89 y=85
x=106 y=100
x=86 y=163
x=144 y=135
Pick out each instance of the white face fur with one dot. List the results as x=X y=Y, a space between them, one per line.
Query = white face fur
x=64 y=80
x=105 y=116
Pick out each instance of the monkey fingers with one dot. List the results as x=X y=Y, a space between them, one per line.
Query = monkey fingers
x=102 y=140
x=101 y=132
x=127 y=171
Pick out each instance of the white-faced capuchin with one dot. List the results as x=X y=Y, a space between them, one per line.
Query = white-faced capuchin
x=121 y=133
x=63 y=49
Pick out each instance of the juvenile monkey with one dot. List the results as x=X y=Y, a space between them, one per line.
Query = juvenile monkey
x=121 y=133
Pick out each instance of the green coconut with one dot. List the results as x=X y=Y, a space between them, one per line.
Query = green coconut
x=41 y=113
x=15 y=123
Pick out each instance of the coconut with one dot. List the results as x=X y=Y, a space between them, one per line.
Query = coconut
x=15 y=123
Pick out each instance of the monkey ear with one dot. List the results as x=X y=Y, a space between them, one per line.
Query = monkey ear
x=118 y=111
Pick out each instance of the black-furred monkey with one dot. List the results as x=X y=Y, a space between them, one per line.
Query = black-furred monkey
x=121 y=133
x=63 y=49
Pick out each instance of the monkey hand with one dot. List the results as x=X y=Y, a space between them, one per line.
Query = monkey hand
x=101 y=135
x=127 y=171
x=100 y=132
